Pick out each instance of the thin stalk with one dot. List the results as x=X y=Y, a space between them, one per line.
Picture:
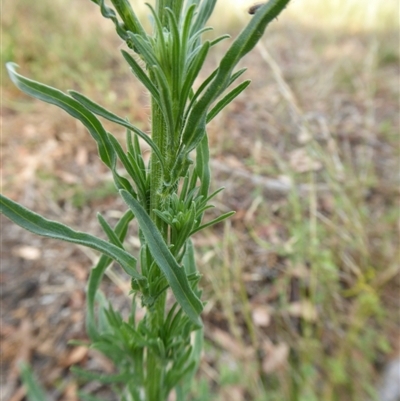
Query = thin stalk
x=156 y=364
x=159 y=137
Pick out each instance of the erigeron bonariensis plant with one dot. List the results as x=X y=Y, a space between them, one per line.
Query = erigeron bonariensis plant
x=167 y=197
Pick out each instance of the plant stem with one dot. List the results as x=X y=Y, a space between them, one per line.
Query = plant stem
x=156 y=363
x=156 y=174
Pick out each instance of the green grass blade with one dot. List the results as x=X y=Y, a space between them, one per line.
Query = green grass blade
x=174 y=274
x=33 y=391
x=37 y=224
x=71 y=106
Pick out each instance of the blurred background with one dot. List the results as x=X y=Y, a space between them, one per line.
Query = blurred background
x=303 y=282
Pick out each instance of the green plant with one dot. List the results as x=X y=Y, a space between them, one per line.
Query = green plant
x=168 y=197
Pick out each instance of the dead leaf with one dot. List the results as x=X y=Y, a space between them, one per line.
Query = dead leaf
x=302 y=162
x=233 y=162
x=304 y=309
x=79 y=271
x=261 y=315
x=304 y=135
x=82 y=156
x=233 y=393
x=75 y=356
x=276 y=356
x=249 y=216
x=27 y=252
x=299 y=271
x=226 y=341
x=68 y=178
x=70 y=392
x=19 y=394
x=172 y=396
x=77 y=299
x=100 y=360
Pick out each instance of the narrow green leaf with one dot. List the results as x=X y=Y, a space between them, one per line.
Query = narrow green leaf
x=112 y=237
x=204 y=13
x=200 y=90
x=246 y=40
x=195 y=40
x=129 y=167
x=145 y=49
x=203 y=166
x=252 y=33
x=215 y=193
x=142 y=76
x=135 y=151
x=177 y=6
x=160 y=45
x=212 y=222
x=37 y=224
x=95 y=278
x=175 y=53
x=71 y=106
x=235 y=92
x=184 y=231
x=192 y=141
x=101 y=377
x=192 y=72
x=140 y=174
x=108 y=115
x=219 y=39
x=166 y=100
x=108 y=12
x=185 y=29
x=33 y=391
x=174 y=274
x=185 y=185
x=184 y=387
x=188 y=259
x=129 y=17
x=236 y=75
x=97 y=273
x=87 y=397
x=74 y=108
x=138 y=153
